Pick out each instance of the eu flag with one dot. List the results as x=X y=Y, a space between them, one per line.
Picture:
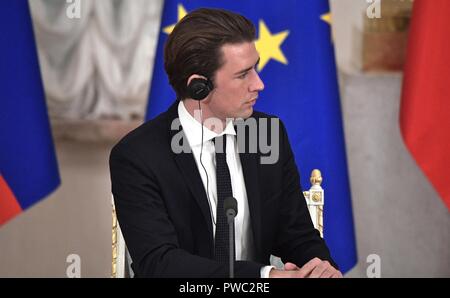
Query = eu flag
x=28 y=168
x=298 y=69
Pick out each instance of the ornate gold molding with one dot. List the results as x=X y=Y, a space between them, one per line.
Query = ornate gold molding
x=316 y=177
x=114 y=243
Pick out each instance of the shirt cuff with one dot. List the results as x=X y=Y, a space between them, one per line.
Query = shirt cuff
x=265 y=271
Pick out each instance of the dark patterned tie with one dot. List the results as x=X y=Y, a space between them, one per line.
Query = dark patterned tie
x=224 y=190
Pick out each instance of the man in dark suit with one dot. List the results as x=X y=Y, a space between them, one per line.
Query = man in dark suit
x=170 y=175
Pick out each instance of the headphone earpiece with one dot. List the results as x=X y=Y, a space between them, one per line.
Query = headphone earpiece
x=199 y=88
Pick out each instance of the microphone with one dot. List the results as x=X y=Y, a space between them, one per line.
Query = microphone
x=230 y=207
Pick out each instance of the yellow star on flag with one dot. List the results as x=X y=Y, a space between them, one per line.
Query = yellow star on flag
x=326 y=18
x=181 y=13
x=268 y=45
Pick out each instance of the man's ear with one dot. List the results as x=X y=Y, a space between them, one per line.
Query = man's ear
x=194 y=76
x=197 y=76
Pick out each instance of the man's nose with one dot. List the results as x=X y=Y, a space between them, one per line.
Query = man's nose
x=257 y=84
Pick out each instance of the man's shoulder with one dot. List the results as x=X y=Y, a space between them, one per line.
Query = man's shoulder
x=147 y=136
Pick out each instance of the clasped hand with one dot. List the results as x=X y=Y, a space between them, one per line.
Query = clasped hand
x=315 y=268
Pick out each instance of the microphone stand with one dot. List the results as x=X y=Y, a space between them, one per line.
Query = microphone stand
x=231 y=214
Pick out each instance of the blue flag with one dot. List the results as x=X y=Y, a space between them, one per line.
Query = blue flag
x=298 y=69
x=28 y=168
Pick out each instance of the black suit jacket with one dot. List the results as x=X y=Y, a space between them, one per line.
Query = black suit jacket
x=164 y=215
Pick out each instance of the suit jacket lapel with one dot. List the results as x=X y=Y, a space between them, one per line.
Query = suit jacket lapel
x=189 y=170
x=249 y=162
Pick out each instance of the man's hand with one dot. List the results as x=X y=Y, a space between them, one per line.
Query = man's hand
x=314 y=268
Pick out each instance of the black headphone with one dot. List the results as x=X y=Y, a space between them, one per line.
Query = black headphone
x=199 y=88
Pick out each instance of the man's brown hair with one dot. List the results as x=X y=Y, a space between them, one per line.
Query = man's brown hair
x=194 y=46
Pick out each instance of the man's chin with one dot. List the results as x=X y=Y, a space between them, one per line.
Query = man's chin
x=247 y=113
x=244 y=114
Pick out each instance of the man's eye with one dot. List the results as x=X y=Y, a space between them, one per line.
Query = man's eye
x=242 y=76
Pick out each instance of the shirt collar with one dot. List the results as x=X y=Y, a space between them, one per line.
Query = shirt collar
x=193 y=129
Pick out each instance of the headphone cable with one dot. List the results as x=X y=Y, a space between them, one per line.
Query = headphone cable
x=201 y=162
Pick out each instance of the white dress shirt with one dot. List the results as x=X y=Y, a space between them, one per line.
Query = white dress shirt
x=193 y=131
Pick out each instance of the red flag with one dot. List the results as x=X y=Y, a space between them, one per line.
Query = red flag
x=425 y=105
